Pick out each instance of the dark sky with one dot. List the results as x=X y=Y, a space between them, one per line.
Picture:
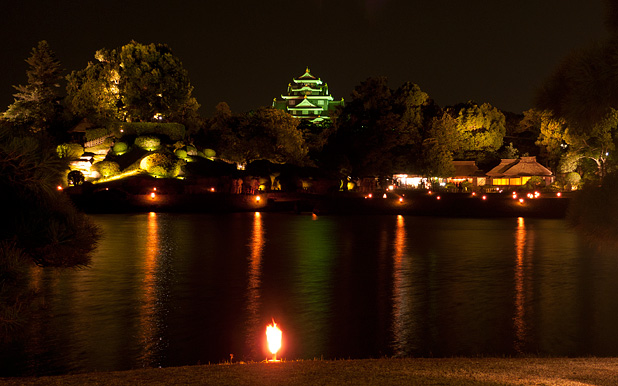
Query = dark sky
x=245 y=52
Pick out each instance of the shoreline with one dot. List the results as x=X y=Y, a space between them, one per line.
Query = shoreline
x=346 y=203
x=409 y=371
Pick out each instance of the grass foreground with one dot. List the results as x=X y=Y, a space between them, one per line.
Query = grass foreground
x=415 y=371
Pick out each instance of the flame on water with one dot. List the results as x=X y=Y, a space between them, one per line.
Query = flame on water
x=273 y=335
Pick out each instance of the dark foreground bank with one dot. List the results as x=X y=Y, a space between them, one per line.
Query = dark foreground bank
x=450 y=371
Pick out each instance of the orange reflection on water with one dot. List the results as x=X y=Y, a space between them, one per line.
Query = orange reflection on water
x=256 y=246
x=401 y=289
x=523 y=245
x=148 y=323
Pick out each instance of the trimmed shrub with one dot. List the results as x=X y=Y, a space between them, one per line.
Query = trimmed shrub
x=209 y=153
x=120 y=148
x=70 y=150
x=180 y=153
x=148 y=142
x=161 y=165
x=107 y=168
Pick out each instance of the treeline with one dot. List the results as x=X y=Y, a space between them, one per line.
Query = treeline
x=379 y=131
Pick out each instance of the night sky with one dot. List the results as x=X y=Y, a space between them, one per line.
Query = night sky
x=246 y=52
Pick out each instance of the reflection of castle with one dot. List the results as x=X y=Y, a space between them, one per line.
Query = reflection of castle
x=308 y=98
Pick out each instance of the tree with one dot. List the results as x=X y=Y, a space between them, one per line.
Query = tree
x=565 y=148
x=263 y=134
x=481 y=128
x=380 y=131
x=136 y=83
x=93 y=93
x=37 y=104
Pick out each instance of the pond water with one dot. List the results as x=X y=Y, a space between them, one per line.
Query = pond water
x=182 y=289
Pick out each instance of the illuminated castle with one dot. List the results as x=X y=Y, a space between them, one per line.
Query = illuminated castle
x=308 y=98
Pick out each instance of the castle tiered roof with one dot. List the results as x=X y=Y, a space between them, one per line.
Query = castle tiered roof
x=307 y=98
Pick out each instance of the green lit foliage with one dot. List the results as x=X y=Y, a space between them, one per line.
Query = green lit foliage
x=209 y=153
x=106 y=168
x=120 y=148
x=572 y=180
x=162 y=165
x=37 y=104
x=567 y=147
x=481 y=128
x=135 y=82
x=93 y=92
x=70 y=151
x=181 y=153
x=148 y=142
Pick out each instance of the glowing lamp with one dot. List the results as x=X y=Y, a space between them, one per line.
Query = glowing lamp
x=152 y=195
x=400 y=199
x=155 y=189
x=484 y=197
x=370 y=195
x=391 y=187
x=473 y=194
x=273 y=336
x=521 y=200
x=59 y=187
x=212 y=189
x=257 y=199
x=438 y=198
x=559 y=194
x=384 y=196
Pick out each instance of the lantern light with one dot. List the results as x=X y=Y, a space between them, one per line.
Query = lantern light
x=273 y=336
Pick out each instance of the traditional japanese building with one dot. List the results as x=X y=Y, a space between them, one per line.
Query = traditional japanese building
x=516 y=172
x=308 y=98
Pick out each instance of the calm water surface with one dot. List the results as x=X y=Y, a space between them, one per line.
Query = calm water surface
x=182 y=289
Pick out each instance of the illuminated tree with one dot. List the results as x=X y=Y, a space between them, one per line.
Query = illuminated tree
x=37 y=104
x=135 y=82
x=94 y=93
x=566 y=147
x=480 y=128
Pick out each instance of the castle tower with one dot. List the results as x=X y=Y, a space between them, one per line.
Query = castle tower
x=308 y=98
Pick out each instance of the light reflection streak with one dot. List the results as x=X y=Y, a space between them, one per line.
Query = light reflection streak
x=401 y=292
x=148 y=323
x=256 y=246
x=523 y=248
